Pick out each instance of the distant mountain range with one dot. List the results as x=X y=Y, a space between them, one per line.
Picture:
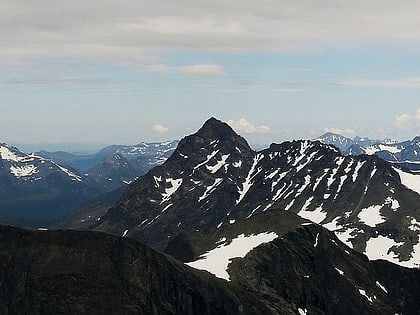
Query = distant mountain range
x=33 y=188
x=406 y=153
x=40 y=188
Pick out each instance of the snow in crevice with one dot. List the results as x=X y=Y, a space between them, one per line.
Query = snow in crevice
x=392 y=203
x=414 y=225
x=363 y=293
x=210 y=189
x=302 y=311
x=309 y=159
x=216 y=261
x=287 y=208
x=307 y=203
x=237 y=164
x=341 y=272
x=332 y=178
x=253 y=211
x=304 y=186
x=247 y=184
x=175 y=184
x=167 y=207
x=72 y=175
x=209 y=157
x=279 y=178
x=316 y=240
x=359 y=165
x=318 y=180
x=213 y=169
x=381 y=287
x=157 y=181
x=348 y=168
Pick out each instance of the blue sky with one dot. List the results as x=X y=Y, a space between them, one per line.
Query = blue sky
x=89 y=74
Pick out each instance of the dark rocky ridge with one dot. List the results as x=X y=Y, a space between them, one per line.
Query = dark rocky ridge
x=308 y=267
x=74 y=272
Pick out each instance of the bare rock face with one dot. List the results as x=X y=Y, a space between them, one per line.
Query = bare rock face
x=69 y=272
x=214 y=179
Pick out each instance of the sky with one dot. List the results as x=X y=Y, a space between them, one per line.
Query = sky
x=85 y=74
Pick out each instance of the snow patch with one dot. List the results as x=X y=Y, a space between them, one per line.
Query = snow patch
x=209 y=157
x=216 y=261
x=379 y=248
x=415 y=225
x=23 y=171
x=341 y=272
x=175 y=184
x=392 y=203
x=363 y=292
x=210 y=189
x=316 y=240
x=316 y=216
x=411 y=181
x=302 y=311
x=248 y=180
x=357 y=169
x=219 y=164
x=381 y=287
x=371 y=216
x=72 y=175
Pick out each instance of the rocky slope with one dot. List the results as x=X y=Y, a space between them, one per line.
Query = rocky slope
x=214 y=179
x=279 y=257
x=69 y=272
x=272 y=263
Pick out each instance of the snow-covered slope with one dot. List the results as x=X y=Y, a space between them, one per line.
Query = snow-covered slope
x=35 y=188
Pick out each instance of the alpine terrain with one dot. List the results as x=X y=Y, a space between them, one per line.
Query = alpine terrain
x=214 y=179
x=35 y=190
x=405 y=153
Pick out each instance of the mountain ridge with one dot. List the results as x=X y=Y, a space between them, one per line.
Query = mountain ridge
x=211 y=182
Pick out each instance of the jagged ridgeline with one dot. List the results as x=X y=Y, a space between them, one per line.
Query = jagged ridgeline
x=214 y=179
x=243 y=232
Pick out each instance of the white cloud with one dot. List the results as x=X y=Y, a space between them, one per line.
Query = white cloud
x=160 y=128
x=342 y=131
x=247 y=127
x=136 y=29
x=401 y=121
x=202 y=70
x=418 y=116
x=406 y=82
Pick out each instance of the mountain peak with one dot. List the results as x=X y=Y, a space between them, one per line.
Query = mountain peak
x=214 y=135
x=214 y=128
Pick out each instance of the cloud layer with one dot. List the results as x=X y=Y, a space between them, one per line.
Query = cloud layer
x=133 y=30
x=407 y=121
x=243 y=125
x=158 y=128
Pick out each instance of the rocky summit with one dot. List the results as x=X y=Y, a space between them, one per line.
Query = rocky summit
x=215 y=179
